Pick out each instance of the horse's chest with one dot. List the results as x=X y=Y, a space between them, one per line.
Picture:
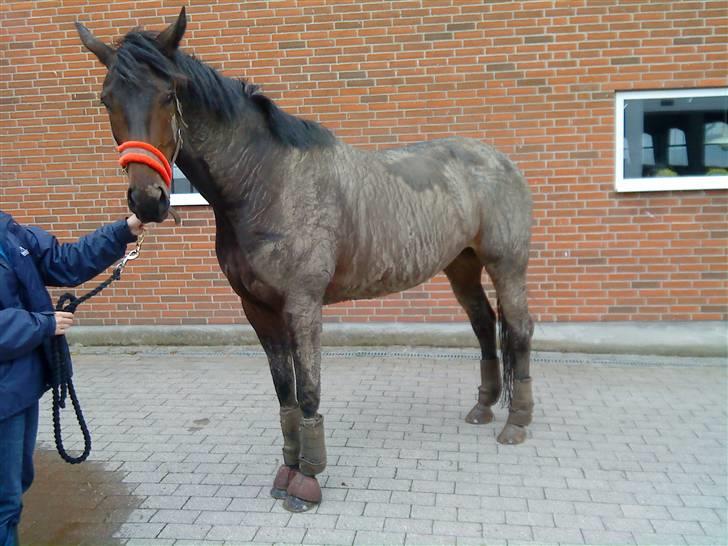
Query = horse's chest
x=243 y=272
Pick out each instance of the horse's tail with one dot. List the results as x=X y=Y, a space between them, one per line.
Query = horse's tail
x=507 y=356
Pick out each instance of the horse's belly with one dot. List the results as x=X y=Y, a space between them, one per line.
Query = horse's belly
x=374 y=274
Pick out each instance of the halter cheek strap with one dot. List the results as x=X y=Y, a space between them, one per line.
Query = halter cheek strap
x=136 y=151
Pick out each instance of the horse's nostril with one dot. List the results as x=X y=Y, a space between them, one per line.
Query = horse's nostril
x=130 y=199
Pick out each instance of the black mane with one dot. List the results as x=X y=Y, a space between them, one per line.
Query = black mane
x=224 y=97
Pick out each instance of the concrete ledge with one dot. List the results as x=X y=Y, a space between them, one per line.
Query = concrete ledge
x=645 y=338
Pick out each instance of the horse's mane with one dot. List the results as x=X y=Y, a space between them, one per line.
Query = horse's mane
x=220 y=95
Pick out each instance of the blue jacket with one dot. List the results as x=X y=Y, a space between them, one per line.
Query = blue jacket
x=30 y=260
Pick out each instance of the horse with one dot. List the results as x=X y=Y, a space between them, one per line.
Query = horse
x=305 y=220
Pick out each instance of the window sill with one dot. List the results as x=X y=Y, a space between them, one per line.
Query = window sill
x=183 y=199
x=672 y=183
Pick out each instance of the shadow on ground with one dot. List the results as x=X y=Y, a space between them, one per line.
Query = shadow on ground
x=75 y=505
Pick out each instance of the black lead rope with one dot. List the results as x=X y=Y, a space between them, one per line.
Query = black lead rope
x=61 y=369
x=62 y=373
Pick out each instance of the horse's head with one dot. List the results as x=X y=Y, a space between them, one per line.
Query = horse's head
x=140 y=95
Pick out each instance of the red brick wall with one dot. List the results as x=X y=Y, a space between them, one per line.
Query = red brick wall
x=536 y=79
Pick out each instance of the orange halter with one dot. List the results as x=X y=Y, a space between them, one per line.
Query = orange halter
x=132 y=151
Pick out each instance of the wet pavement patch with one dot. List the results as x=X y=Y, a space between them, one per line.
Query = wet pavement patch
x=74 y=505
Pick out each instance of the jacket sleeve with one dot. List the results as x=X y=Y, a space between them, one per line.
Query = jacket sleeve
x=22 y=331
x=71 y=264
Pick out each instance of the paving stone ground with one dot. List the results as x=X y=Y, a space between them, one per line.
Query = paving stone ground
x=622 y=450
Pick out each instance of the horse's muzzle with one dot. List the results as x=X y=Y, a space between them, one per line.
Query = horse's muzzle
x=150 y=203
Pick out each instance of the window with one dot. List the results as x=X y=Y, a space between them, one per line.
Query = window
x=182 y=191
x=672 y=140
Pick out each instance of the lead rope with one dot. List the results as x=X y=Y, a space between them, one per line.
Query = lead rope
x=61 y=365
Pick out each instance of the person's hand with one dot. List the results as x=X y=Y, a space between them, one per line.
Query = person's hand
x=135 y=225
x=64 y=321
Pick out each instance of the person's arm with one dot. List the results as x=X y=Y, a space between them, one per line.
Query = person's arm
x=71 y=264
x=22 y=331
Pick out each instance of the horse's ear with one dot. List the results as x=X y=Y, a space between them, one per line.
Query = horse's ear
x=104 y=53
x=170 y=37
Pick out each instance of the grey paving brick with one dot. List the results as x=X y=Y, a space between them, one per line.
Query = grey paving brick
x=656 y=539
x=578 y=521
x=213 y=517
x=415 y=539
x=139 y=530
x=378 y=538
x=551 y=507
x=592 y=536
x=313 y=520
x=529 y=518
x=706 y=515
x=207 y=503
x=286 y=535
x=329 y=536
x=251 y=505
x=481 y=515
x=648 y=512
x=157 y=501
x=457 y=528
x=552 y=535
x=408 y=525
x=150 y=542
x=350 y=508
x=182 y=530
x=667 y=527
x=265 y=519
x=635 y=525
x=231 y=533
x=175 y=516
x=440 y=513
x=387 y=510
x=360 y=523
x=494 y=531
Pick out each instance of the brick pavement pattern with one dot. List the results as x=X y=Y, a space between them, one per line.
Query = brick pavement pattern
x=623 y=450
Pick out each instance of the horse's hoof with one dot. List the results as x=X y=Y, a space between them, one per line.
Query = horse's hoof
x=283 y=478
x=304 y=493
x=479 y=415
x=294 y=504
x=512 y=435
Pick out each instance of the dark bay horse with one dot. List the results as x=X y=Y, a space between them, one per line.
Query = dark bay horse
x=304 y=220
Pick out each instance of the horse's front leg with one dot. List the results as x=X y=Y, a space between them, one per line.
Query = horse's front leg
x=303 y=316
x=272 y=332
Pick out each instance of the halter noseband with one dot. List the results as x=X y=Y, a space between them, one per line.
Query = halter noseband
x=138 y=151
x=133 y=151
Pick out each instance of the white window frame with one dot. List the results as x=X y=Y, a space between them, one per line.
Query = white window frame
x=182 y=199
x=662 y=183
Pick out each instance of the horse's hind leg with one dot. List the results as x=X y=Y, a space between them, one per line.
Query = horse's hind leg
x=271 y=330
x=516 y=328
x=464 y=274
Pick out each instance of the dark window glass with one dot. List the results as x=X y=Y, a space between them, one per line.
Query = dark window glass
x=682 y=136
x=180 y=184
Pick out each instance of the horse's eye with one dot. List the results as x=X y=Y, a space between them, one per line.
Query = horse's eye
x=168 y=98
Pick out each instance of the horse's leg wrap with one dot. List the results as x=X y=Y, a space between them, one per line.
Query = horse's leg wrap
x=520 y=413
x=313 y=448
x=304 y=491
x=488 y=392
x=290 y=425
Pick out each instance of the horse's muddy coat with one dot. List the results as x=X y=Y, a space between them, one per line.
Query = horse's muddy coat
x=305 y=220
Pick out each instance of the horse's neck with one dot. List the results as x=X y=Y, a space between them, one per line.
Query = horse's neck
x=223 y=160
